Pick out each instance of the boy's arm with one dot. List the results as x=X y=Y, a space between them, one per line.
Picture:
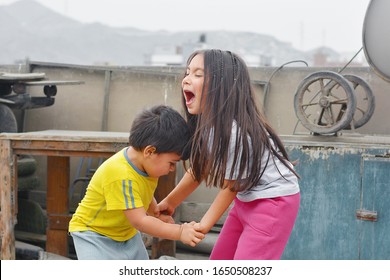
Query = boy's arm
x=152 y=207
x=221 y=202
x=154 y=227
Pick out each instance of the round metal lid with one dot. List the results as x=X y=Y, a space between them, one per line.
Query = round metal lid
x=376 y=37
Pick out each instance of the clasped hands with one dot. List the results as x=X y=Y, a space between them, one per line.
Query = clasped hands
x=189 y=233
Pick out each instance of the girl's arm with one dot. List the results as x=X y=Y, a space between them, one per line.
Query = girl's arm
x=221 y=202
x=186 y=233
x=185 y=187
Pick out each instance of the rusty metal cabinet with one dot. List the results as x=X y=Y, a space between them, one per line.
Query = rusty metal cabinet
x=375 y=196
x=345 y=194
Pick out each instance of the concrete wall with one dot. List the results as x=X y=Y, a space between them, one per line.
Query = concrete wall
x=110 y=98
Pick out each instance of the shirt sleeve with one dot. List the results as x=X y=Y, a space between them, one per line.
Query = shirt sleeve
x=122 y=195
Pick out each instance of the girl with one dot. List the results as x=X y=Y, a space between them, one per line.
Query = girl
x=235 y=149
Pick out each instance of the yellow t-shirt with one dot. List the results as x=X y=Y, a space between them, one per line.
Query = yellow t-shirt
x=117 y=185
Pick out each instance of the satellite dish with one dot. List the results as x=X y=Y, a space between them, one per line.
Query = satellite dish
x=376 y=37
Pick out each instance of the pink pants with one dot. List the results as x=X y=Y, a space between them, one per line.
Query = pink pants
x=257 y=230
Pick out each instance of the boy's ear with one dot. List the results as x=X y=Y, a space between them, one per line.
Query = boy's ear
x=149 y=150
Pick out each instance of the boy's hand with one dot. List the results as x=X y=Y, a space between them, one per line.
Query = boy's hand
x=189 y=235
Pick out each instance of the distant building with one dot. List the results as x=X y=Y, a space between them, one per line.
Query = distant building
x=165 y=56
x=256 y=60
x=175 y=55
x=169 y=55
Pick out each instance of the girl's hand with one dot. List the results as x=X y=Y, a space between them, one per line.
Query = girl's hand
x=189 y=235
x=163 y=208
x=166 y=219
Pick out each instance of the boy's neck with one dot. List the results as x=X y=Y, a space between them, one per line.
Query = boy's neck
x=136 y=158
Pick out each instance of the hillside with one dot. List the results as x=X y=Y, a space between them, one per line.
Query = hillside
x=30 y=30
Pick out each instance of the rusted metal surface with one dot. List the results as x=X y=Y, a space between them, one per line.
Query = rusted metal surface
x=367 y=215
x=345 y=185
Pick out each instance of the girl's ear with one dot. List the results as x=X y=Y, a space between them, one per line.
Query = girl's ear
x=149 y=150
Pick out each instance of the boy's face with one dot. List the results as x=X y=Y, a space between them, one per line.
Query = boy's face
x=157 y=165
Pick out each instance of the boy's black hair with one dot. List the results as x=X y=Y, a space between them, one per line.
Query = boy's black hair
x=162 y=127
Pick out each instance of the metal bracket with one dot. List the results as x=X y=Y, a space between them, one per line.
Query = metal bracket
x=367 y=215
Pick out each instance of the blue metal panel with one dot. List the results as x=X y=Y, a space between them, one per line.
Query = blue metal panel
x=375 y=238
x=326 y=227
x=337 y=180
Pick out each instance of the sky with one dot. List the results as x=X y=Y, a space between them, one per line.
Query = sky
x=306 y=24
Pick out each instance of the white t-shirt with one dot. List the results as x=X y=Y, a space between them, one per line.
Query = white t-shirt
x=271 y=184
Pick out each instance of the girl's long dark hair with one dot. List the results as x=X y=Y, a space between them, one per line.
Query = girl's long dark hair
x=230 y=97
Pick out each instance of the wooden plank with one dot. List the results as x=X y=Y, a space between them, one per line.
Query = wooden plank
x=64 y=153
x=69 y=136
x=57 y=204
x=165 y=247
x=57 y=242
x=7 y=201
x=14 y=187
x=165 y=185
x=59 y=222
x=44 y=145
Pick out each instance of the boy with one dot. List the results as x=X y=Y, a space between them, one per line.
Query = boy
x=119 y=200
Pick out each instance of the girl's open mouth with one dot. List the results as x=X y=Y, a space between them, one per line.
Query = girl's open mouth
x=189 y=96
